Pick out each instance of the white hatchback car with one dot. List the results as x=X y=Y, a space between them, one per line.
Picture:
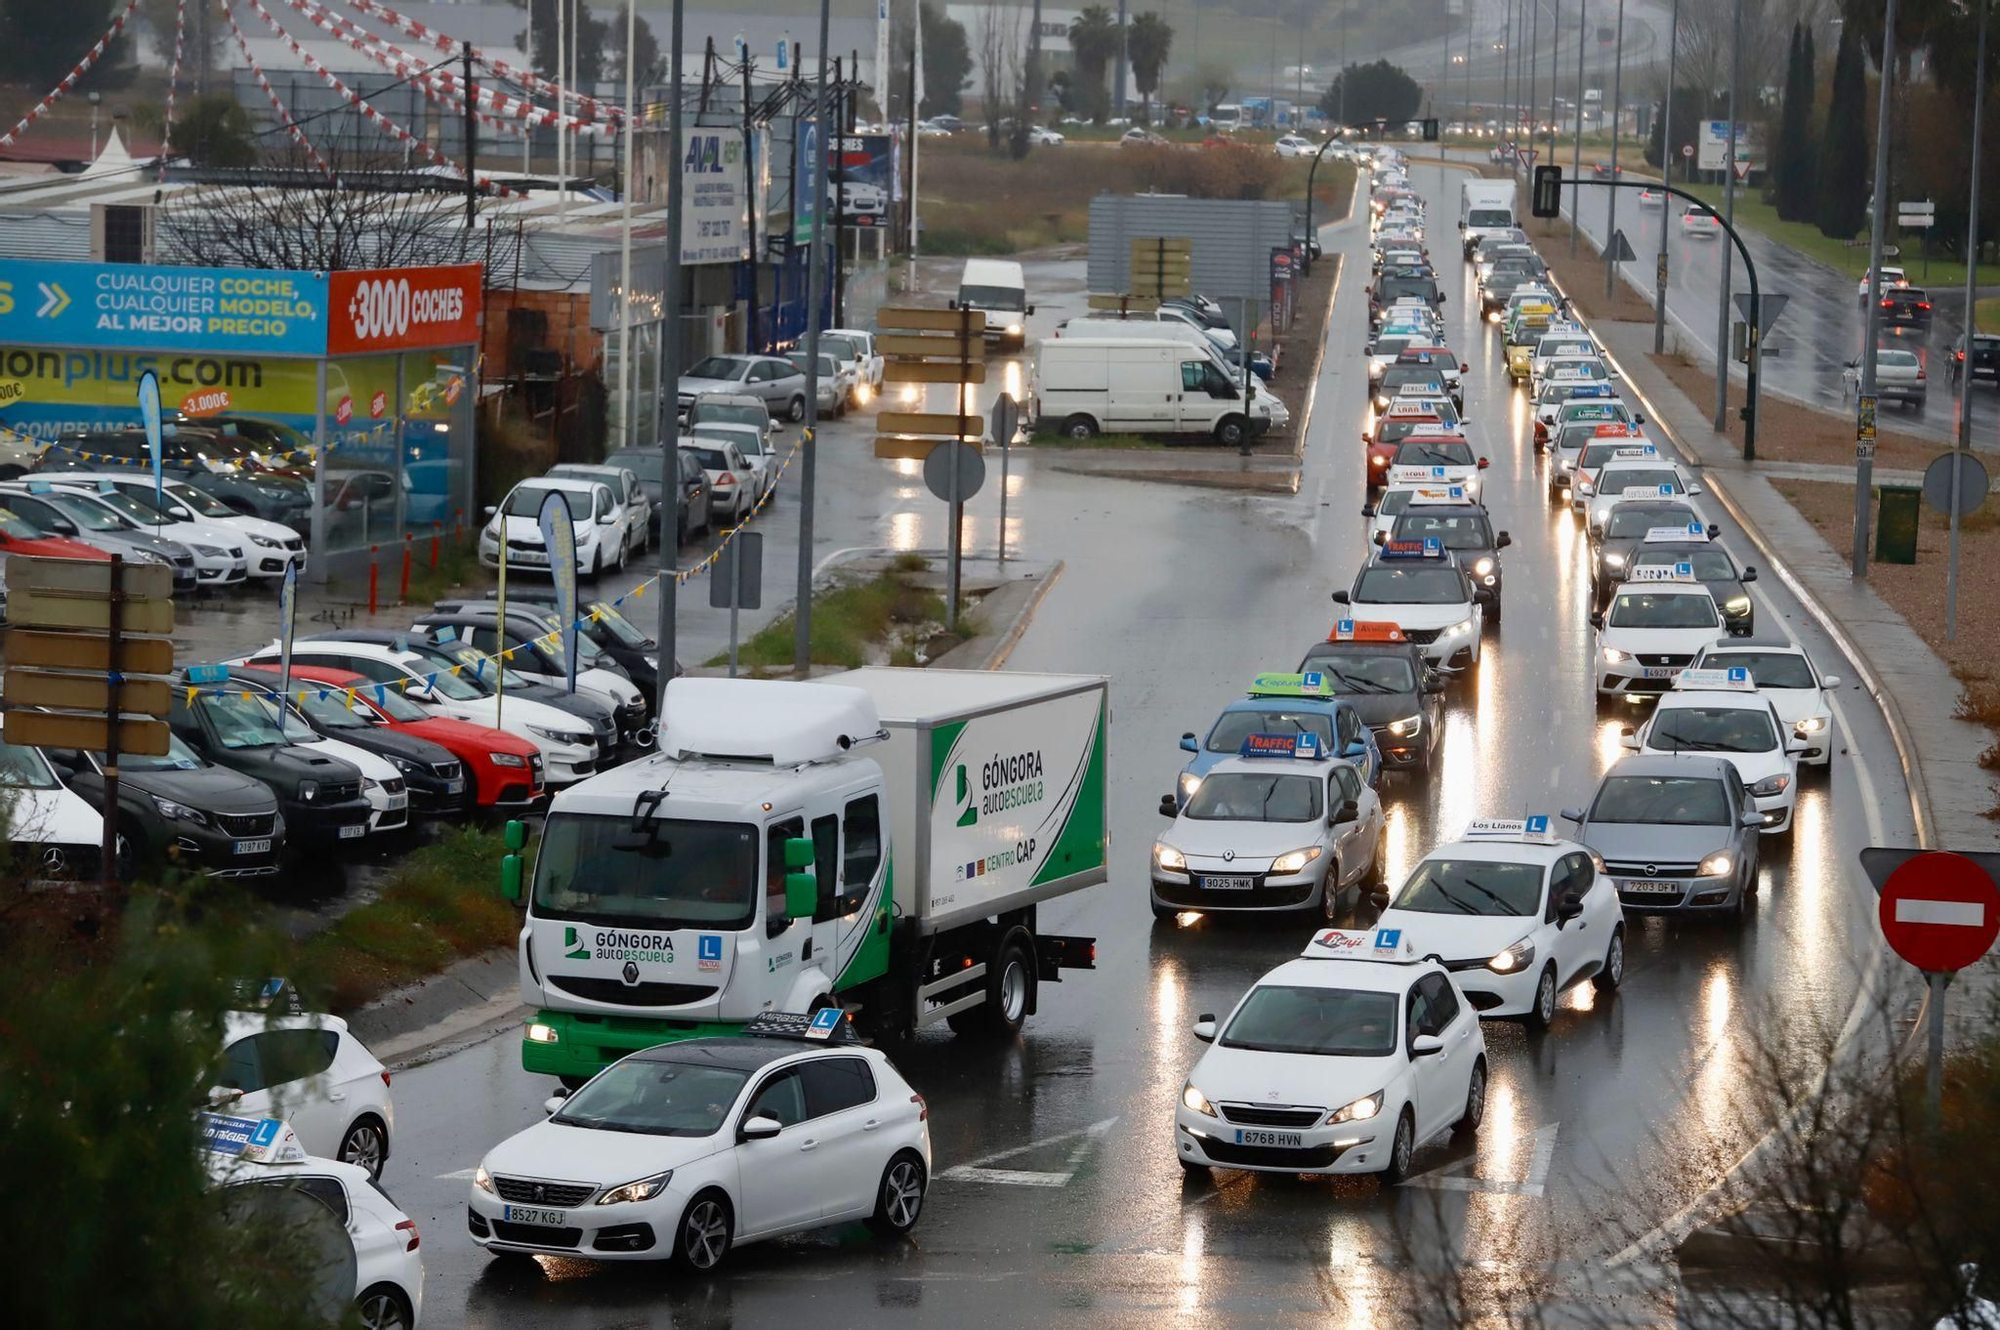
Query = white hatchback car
x=755 y=446
x=310 y=1070
x=1650 y=632
x=732 y=481
x=1517 y=914
x=1348 y=1059
x=1718 y=711
x=388 y=1273
x=687 y=1149
x=1786 y=677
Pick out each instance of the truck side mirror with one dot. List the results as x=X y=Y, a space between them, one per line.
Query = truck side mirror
x=798 y=853
x=510 y=877
x=801 y=894
x=516 y=835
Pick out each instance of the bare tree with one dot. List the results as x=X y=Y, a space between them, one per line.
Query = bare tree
x=1001 y=32
x=367 y=209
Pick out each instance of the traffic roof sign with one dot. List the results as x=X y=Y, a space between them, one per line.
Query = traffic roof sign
x=1940 y=911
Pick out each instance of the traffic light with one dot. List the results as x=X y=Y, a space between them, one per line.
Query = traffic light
x=1547 y=201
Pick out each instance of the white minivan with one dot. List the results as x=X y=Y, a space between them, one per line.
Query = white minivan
x=998 y=289
x=1087 y=386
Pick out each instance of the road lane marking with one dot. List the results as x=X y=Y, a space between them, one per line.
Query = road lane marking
x=976 y=1170
x=1461 y=1176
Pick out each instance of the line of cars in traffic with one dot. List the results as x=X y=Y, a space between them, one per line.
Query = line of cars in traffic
x=1354 y=1055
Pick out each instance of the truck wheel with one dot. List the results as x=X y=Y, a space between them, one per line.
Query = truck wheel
x=1010 y=991
x=1079 y=427
x=1229 y=431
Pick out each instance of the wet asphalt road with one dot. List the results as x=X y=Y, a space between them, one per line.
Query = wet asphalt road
x=1610 y=1123
x=1821 y=327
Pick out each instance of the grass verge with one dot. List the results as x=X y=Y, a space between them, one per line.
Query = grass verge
x=1756 y=215
x=848 y=621
x=441 y=903
x=1987 y=312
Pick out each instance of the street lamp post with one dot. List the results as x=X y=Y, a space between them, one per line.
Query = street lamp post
x=1729 y=215
x=1864 y=448
x=1971 y=331
x=1666 y=174
x=809 y=446
x=1576 y=153
x=1617 y=90
x=668 y=374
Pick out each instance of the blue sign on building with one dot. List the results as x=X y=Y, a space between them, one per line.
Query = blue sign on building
x=139 y=306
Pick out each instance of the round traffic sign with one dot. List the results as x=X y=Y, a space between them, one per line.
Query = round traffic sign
x=938 y=471
x=1972 y=482
x=1940 y=911
x=1687 y=149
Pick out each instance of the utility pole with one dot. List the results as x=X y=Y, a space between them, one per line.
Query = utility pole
x=471 y=146
x=1971 y=332
x=1729 y=215
x=1576 y=153
x=809 y=447
x=838 y=142
x=1118 y=79
x=1555 y=69
x=1864 y=447
x=751 y=339
x=1534 y=50
x=1035 y=62
x=628 y=133
x=562 y=120
x=1617 y=90
x=1667 y=174
x=670 y=376
x=527 y=127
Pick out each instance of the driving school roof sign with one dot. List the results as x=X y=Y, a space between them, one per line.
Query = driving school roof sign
x=239 y=311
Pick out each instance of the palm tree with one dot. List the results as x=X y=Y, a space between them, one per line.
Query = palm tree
x=1094 y=38
x=1146 y=46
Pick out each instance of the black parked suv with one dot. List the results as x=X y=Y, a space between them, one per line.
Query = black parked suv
x=434 y=777
x=320 y=797
x=184 y=810
x=605 y=624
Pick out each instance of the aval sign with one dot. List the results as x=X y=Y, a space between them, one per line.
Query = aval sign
x=715 y=197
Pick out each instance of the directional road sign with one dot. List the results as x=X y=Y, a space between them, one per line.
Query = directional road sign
x=1940 y=911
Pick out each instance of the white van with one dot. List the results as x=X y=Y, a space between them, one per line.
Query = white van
x=998 y=289
x=1088 y=386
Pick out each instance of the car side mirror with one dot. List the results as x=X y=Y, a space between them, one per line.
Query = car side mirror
x=490 y=510
x=1348 y=811
x=1693 y=490
x=218 y=1095
x=1571 y=815
x=759 y=1128
x=1426 y=1046
x=1484 y=463
x=1752 y=819
x=1503 y=541
x=1798 y=743
x=1829 y=681
x=553 y=1104
x=1638 y=419
x=1629 y=739
x=1380 y=537
x=1355 y=749
x=1569 y=906
x=1029 y=310
x=1340 y=598
x=1367 y=510
x=1596 y=619
x=1749 y=573
x=1204 y=1027
x=1464 y=368
x=609 y=519
x=1188 y=744
x=1168 y=808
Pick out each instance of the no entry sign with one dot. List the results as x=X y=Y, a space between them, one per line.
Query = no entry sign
x=1940 y=911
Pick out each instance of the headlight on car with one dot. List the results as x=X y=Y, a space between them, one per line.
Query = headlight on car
x=483 y=1180
x=1459 y=629
x=265 y=541
x=1189 y=784
x=1812 y=725
x=1736 y=605
x=1613 y=656
x=1716 y=865
x=1407 y=726
x=1295 y=861
x=308 y=790
x=1360 y=1110
x=509 y=760
x=1167 y=858
x=1613 y=559
x=210 y=552
x=1483 y=567
x=370 y=783
x=559 y=736
x=639 y=1189
x=542 y=1034
x=179 y=812
x=1196 y=1100
x=1771 y=785
x=1514 y=959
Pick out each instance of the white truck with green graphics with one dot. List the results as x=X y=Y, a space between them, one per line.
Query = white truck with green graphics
x=879 y=840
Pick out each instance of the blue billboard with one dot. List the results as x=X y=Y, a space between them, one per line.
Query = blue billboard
x=140 y=306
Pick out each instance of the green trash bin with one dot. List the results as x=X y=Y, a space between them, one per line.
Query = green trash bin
x=1896 y=531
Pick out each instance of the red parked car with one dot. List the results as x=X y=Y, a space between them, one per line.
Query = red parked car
x=17 y=537
x=506 y=770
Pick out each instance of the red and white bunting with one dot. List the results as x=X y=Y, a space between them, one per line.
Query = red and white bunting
x=382 y=122
x=284 y=112
x=173 y=84
x=440 y=88
x=82 y=67
x=444 y=43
